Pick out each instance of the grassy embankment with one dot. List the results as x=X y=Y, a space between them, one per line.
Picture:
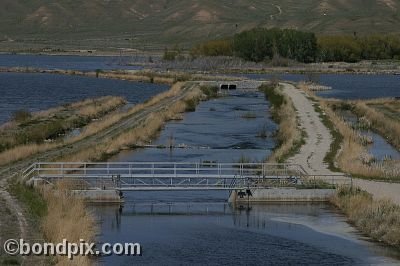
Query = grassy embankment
x=353 y=156
x=53 y=206
x=28 y=134
x=58 y=215
x=348 y=151
x=145 y=132
x=382 y=115
x=149 y=76
x=289 y=136
x=379 y=219
x=108 y=119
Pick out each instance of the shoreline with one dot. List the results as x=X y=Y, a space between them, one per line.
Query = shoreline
x=366 y=67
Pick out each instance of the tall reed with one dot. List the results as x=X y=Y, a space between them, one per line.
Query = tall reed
x=379 y=219
x=67 y=218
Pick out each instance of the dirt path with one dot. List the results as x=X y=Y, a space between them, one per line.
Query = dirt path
x=318 y=142
x=311 y=155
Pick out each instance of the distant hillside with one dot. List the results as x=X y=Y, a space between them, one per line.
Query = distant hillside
x=148 y=23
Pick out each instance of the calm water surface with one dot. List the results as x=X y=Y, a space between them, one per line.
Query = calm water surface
x=83 y=63
x=37 y=91
x=347 y=86
x=184 y=230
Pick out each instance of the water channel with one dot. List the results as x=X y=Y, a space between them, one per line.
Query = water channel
x=201 y=228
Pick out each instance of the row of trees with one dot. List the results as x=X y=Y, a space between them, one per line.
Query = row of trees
x=265 y=44
x=353 y=48
x=261 y=44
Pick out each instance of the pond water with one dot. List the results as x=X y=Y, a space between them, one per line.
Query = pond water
x=38 y=91
x=346 y=86
x=201 y=228
x=380 y=148
x=83 y=63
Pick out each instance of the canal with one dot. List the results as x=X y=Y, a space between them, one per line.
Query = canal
x=201 y=228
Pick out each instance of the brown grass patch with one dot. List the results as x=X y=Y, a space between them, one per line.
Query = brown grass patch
x=140 y=135
x=379 y=219
x=289 y=135
x=24 y=151
x=353 y=157
x=67 y=218
x=386 y=126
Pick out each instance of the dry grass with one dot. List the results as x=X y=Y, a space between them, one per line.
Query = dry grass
x=113 y=118
x=137 y=136
x=67 y=218
x=353 y=156
x=289 y=135
x=379 y=219
x=80 y=111
x=386 y=126
x=97 y=107
x=24 y=151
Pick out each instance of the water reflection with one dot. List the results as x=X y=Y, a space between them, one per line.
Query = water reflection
x=175 y=232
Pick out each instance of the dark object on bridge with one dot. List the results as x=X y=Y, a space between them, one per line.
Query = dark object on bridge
x=121 y=195
x=224 y=87
x=232 y=87
x=248 y=192
x=241 y=194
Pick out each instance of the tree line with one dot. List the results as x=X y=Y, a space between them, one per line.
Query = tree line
x=261 y=44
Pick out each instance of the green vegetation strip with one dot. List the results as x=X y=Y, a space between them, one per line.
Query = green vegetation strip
x=289 y=137
x=337 y=137
x=33 y=201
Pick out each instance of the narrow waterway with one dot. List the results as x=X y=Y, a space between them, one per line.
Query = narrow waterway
x=201 y=228
x=227 y=129
x=379 y=148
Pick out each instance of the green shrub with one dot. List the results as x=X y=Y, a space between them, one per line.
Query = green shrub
x=21 y=115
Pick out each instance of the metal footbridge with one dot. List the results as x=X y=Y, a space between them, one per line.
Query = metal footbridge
x=152 y=176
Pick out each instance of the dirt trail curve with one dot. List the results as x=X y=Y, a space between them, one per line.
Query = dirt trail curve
x=12 y=170
x=318 y=142
x=311 y=155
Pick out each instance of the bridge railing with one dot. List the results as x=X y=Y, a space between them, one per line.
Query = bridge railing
x=160 y=169
x=126 y=175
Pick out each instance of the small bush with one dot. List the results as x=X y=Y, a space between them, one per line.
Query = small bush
x=21 y=116
x=210 y=91
x=274 y=97
x=191 y=105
